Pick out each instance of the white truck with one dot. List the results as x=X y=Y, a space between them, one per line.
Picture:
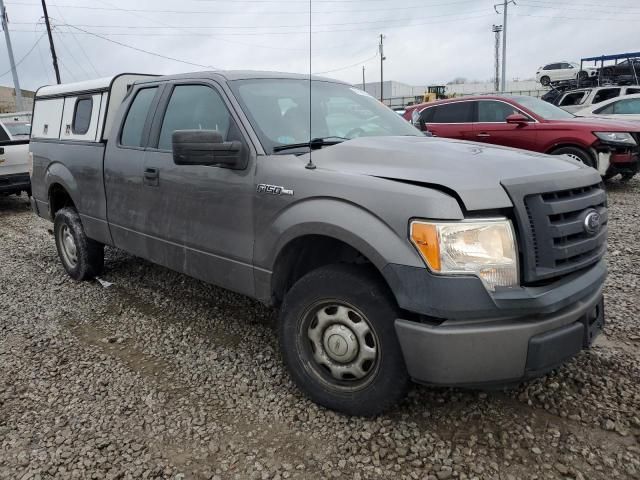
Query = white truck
x=14 y=161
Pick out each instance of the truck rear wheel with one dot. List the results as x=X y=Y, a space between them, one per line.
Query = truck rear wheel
x=81 y=257
x=339 y=343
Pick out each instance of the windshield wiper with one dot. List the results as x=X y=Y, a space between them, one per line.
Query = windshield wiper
x=314 y=144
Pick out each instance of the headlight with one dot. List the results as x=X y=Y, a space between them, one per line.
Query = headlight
x=485 y=248
x=619 y=138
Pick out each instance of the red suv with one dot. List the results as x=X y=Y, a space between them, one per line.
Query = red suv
x=532 y=124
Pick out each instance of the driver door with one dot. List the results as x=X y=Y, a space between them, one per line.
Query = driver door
x=492 y=127
x=202 y=214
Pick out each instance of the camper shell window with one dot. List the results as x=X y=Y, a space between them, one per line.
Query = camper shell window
x=82 y=115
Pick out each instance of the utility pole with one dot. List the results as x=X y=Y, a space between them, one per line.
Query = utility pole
x=363 y=82
x=53 y=48
x=12 y=62
x=382 y=59
x=505 y=6
x=497 y=29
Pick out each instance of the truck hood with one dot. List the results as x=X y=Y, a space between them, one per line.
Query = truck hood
x=473 y=171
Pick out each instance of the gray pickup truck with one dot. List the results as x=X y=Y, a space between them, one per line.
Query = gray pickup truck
x=392 y=256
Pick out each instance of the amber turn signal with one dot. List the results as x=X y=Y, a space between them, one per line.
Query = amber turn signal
x=425 y=237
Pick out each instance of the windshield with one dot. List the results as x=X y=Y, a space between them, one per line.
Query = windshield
x=18 y=129
x=543 y=109
x=279 y=112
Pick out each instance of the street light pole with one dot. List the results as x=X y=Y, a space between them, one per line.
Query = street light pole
x=12 y=62
x=505 y=6
x=382 y=59
x=497 y=29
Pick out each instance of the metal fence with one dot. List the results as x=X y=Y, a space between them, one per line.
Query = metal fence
x=402 y=102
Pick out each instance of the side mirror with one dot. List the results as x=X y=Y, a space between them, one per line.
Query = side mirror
x=204 y=147
x=518 y=119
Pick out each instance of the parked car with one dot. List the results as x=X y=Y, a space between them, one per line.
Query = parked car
x=392 y=256
x=627 y=71
x=575 y=100
x=14 y=155
x=619 y=108
x=533 y=124
x=18 y=130
x=555 y=72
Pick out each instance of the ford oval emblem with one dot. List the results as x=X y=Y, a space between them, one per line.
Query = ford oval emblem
x=592 y=222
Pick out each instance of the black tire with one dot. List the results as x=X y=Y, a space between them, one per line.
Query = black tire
x=545 y=81
x=578 y=154
x=87 y=260
x=360 y=292
x=582 y=75
x=627 y=176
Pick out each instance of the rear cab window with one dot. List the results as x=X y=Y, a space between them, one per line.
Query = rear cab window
x=133 y=128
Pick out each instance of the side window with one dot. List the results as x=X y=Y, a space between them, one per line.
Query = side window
x=567 y=65
x=608 y=110
x=136 y=118
x=492 y=112
x=82 y=116
x=4 y=137
x=194 y=107
x=630 y=106
x=575 y=98
x=427 y=115
x=551 y=66
x=606 y=94
x=458 y=112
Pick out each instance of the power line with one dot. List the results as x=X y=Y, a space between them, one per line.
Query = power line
x=356 y=64
x=24 y=56
x=217 y=35
x=131 y=47
x=80 y=45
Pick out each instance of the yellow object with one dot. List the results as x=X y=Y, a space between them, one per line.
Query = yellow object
x=425 y=237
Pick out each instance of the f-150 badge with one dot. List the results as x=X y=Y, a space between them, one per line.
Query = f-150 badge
x=274 y=189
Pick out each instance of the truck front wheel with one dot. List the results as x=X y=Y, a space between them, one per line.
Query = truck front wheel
x=339 y=343
x=81 y=257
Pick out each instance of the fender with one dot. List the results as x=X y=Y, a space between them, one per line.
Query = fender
x=57 y=173
x=330 y=217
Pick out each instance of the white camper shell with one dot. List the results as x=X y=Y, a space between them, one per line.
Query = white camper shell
x=80 y=111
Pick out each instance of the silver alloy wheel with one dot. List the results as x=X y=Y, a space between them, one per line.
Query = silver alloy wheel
x=343 y=343
x=68 y=246
x=575 y=157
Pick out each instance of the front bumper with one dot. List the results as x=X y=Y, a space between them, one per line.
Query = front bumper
x=15 y=183
x=498 y=351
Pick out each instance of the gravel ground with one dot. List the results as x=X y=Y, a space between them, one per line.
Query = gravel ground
x=162 y=376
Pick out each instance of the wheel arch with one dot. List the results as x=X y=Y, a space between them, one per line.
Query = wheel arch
x=320 y=233
x=62 y=188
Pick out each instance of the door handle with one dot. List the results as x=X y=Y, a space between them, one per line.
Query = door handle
x=150 y=173
x=1 y=150
x=151 y=176
x=483 y=134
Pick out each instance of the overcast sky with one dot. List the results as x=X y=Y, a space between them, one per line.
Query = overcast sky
x=427 y=41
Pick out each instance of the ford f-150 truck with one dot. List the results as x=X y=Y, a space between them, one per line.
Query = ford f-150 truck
x=392 y=256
